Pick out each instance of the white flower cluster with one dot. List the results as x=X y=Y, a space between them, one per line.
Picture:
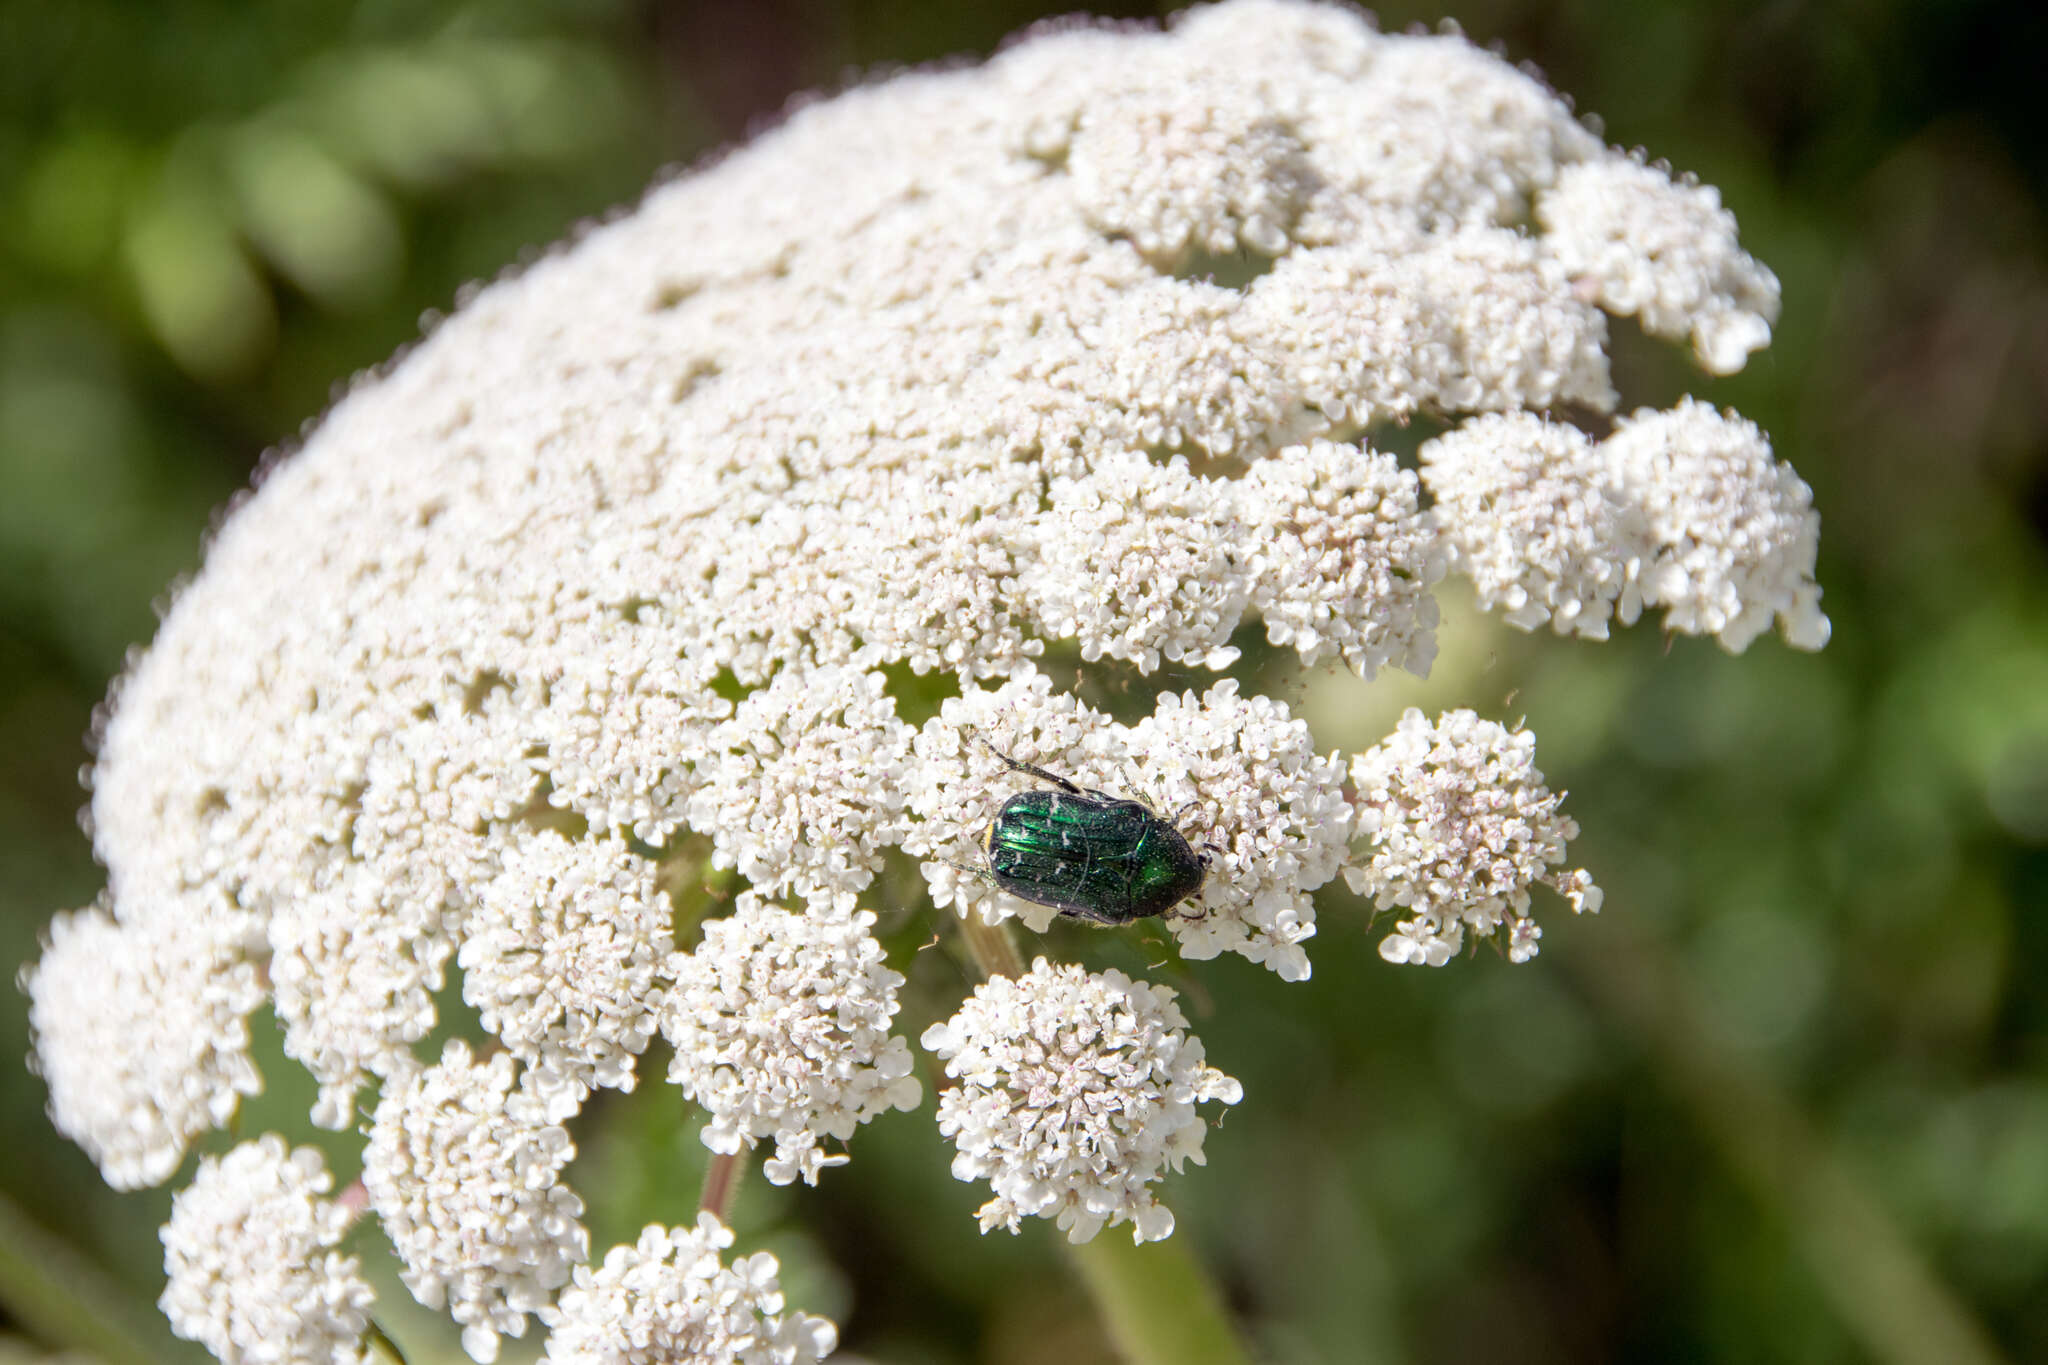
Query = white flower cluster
x=1685 y=509
x=1457 y=826
x=1352 y=573
x=1733 y=529
x=1183 y=167
x=352 y=977
x=1533 y=520
x=1664 y=252
x=1140 y=561
x=900 y=384
x=560 y=958
x=802 y=787
x=669 y=1300
x=780 y=1024
x=1270 y=813
x=140 y=1029
x=1076 y=1091
x=1085 y=347
x=462 y=1167
x=248 y=1257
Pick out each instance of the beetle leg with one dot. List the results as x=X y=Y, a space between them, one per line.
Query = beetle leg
x=980 y=874
x=1019 y=765
x=1093 y=917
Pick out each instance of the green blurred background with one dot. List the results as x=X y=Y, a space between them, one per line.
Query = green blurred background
x=1786 y=1100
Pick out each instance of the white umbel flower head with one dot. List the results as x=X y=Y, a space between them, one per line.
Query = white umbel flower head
x=801 y=788
x=638 y=542
x=1183 y=163
x=248 y=1255
x=560 y=959
x=1532 y=518
x=1734 y=530
x=670 y=1300
x=463 y=1168
x=1341 y=561
x=1664 y=251
x=141 y=1029
x=1455 y=826
x=636 y=528
x=1138 y=561
x=1076 y=1091
x=780 y=1023
x=1241 y=771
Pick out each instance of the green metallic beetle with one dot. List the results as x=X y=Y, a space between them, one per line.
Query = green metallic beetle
x=1087 y=854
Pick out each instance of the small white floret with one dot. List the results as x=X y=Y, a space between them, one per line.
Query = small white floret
x=670 y=1299
x=1457 y=826
x=1076 y=1092
x=780 y=1024
x=1533 y=518
x=561 y=956
x=141 y=1031
x=463 y=1169
x=1665 y=252
x=1733 y=529
x=251 y=1272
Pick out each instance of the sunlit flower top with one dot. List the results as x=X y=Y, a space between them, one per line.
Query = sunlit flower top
x=1457 y=826
x=669 y=1300
x=249 y=1262
x=1072 y=361
x=780 y=1024
x=462 y=1170
x=1076 y=1091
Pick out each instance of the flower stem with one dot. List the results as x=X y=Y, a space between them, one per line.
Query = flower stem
x=721 y=1182
x=1885 y=1287
x=50 y=1290
x=1159 y=1305
x=381 y=1342
x=993 y=949
x=1158 y=1302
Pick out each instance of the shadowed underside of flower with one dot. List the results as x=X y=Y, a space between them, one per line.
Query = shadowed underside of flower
x=1087 y=345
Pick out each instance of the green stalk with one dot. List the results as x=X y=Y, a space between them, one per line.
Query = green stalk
x=721 y=1183
x=380 y=1341
x=1157 y=1303
x=1886 y=1291
x=995 y=952
x=64 y=1300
